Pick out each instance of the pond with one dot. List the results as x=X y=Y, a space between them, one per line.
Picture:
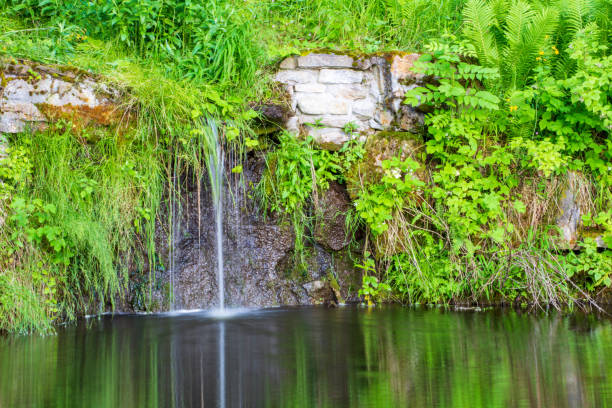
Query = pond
x=314 y=357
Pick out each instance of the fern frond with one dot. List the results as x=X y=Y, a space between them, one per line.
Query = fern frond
x=479 y=18
x=564 y=66
x=519 y=18
x=535 y=37
x=526 y=31
x=518 y=21
x=577 y=14
x=543 y=25
x=500 y=8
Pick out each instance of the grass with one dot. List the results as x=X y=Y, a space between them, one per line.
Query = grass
x=103 y=195
x=355 y=25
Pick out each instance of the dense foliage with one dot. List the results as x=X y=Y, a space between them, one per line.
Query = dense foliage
x=521 y=97
x=519 y=108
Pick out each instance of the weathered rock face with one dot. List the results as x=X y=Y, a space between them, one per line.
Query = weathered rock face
x=569 y=219
x=329 y=91
x=32 y=94
x=572 y=204
x=257 y=254
x=331 y=230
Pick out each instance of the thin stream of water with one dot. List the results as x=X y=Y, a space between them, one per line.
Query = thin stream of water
x=215 y=172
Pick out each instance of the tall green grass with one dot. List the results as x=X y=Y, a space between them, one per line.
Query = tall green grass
x=358 y=25
x=210 y=41
x=105 y=194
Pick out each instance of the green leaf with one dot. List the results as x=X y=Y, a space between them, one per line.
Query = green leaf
x=519 y=206
x=497 y=234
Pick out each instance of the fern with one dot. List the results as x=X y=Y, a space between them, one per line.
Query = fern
x=577 y=13
x=542 y=27
x=518 y=22
x=479 y=18
x=512 y=35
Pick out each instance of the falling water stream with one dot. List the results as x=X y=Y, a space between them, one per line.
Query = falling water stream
x=215 y=172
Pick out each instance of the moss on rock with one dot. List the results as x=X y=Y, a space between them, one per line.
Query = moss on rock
x=384 y=146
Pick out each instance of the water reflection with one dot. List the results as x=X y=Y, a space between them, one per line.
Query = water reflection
x=314 y=357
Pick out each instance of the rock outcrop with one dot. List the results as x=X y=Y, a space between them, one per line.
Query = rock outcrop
x=572 y=204
x=331 y=230
x=385 y=146
x=32 y=94
x=258 y=254
x=330 y=91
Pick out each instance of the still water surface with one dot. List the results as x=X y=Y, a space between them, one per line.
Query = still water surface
x=314 y=357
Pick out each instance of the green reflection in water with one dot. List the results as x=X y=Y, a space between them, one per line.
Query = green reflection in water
x=316 y=358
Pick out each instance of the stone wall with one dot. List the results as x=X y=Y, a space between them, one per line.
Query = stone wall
x=328 y=91
x=30 y=93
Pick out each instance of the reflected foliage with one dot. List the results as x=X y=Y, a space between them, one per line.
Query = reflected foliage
x=316 y=357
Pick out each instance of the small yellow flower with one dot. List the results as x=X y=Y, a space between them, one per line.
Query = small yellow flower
x=555 y=50
x=541 y=52
x=513 y=108
x=538 y=58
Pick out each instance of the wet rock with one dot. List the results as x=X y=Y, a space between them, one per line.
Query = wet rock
x=330 y=230
x=258 y=253
x=273 y=113
x=347 y=276
x=319 y=262
x=321 y=292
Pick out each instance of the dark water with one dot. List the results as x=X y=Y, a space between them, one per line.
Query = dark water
x=314 y=357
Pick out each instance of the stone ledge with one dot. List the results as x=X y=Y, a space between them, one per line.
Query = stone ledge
x=319 y=104
x=325 y=61
x=340 y=76
x=27 y=88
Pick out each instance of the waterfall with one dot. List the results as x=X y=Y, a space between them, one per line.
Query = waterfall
x=215 y=165
x=174 y=226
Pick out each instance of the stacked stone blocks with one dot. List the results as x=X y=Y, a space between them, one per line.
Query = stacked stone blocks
x=329 y=91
